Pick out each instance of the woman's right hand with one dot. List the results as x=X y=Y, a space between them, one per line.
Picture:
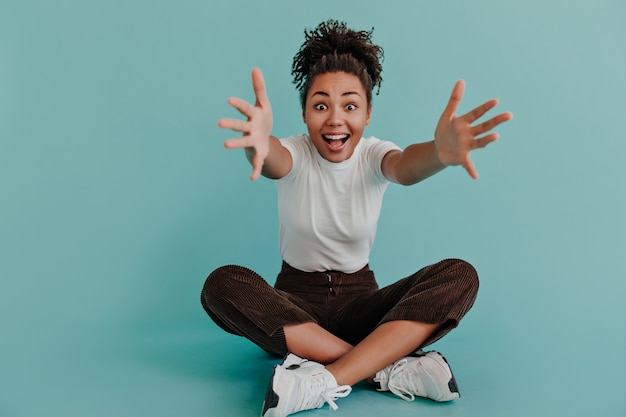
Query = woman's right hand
x=256 y=129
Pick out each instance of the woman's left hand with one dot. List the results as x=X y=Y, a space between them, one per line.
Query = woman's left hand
x=455 y=137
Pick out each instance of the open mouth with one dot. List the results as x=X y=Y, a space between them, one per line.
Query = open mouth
x=335 y=142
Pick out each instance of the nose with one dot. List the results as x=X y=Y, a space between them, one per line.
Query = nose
x=335 y=117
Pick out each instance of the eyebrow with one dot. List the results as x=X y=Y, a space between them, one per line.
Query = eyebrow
x=347 y=93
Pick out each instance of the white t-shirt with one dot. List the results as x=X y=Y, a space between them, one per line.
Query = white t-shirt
x=328 y=212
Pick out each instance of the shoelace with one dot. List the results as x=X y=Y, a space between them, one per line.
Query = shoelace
x=404 y=379
x=308 y=400
x=339 y=392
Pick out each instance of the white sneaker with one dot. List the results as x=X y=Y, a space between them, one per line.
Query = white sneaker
x=301 y=386
x=425 y=375
x=292 y=360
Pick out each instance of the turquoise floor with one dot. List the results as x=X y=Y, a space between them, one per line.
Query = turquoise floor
x=200 y=372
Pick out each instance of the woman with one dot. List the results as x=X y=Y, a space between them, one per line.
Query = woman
x=325 y=311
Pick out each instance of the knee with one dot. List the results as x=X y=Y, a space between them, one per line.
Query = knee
x=464 y=274
x=221 y=283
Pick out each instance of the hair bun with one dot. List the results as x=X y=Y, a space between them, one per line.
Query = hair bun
x=335 y=38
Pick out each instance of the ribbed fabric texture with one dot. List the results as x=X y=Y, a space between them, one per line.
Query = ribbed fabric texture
x=348 y=305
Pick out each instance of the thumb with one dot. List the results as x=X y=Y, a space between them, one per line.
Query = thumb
x=470 y=168
x=257 y=166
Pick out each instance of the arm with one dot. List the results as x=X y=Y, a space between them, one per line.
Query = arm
x=266 y=154
x=455 y=138
x=416 y=163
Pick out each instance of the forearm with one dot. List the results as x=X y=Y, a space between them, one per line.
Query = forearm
x=277 y=163
x=416 y=163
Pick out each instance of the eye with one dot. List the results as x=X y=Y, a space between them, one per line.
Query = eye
x=351 y=107
x=319 y=107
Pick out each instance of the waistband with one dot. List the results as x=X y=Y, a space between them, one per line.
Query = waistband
x=293 y=280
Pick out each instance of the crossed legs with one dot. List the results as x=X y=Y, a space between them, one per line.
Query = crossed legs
x=241 y=302
x=349 y=365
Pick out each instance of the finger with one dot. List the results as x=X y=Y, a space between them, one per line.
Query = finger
x=257 y=166
x=491 y=123
x=241 y=142
x=480 y=143
x=234 y=124
x=242 y=106
x=258 y=84
x=477 y=112
x=470 y=168
x=455 y=100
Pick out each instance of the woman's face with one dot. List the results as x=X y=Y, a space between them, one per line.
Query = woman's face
x=336 y=112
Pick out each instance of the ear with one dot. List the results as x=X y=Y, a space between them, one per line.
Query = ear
x=304 y=116
x=369 y=115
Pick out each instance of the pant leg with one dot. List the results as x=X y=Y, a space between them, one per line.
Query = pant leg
x=440 y=293
x=242 y=303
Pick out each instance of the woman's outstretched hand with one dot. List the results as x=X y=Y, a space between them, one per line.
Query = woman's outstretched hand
x=455 y=137
x=256 y=129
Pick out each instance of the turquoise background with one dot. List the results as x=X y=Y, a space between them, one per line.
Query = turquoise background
x=118 y=199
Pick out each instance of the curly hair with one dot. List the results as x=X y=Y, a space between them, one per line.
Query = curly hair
x=332 y=47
